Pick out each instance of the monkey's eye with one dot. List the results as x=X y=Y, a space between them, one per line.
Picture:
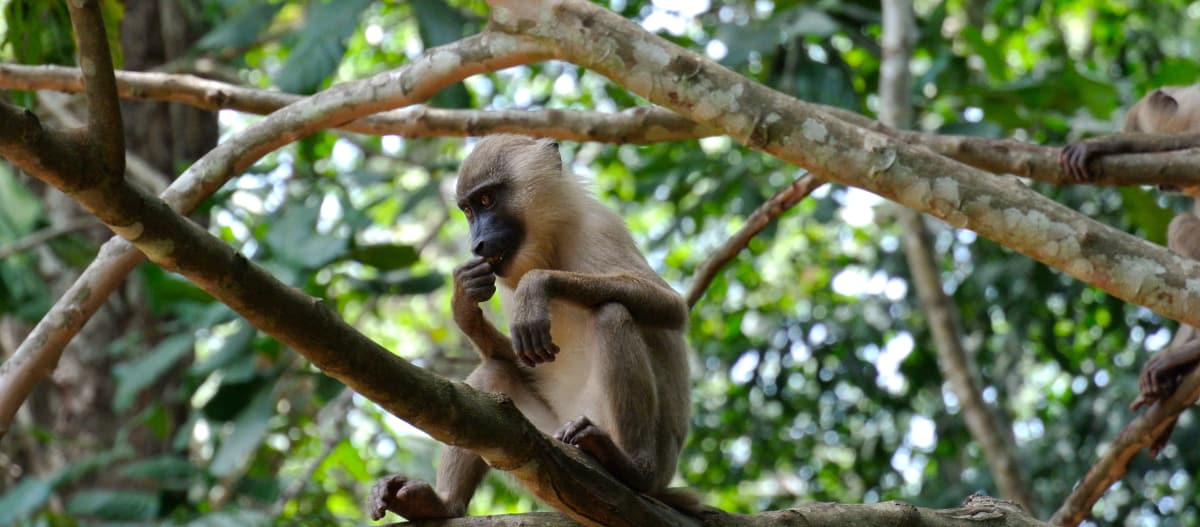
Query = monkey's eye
x=485 y=200
x=467 y=211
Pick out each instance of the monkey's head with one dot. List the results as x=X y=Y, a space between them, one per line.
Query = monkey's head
x=1166 y=110
x=517 y=199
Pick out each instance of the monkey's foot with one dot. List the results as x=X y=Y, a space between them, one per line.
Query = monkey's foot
x=413 y=499
x=595 y=442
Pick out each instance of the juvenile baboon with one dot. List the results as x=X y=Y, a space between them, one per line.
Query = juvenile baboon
x=597 y=355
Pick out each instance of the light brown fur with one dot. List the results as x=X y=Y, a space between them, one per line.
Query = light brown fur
x=597 y=355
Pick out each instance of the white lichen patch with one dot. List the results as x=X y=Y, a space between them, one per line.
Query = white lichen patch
x=814 y=130
x=717 y=102
x=158 y=250
x=772 y=118
x=650 y=55
x=1193 y=285
x=946 y=189
x=914 y=192
x=130 y=232
x=444 y=62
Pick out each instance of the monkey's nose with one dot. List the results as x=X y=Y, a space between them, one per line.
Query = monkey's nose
x=487 y=248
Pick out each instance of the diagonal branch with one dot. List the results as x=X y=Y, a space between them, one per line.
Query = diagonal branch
x=1140 y=433
x=999 y=208
x=48 y=154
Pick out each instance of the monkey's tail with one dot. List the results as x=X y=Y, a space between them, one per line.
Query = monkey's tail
x=684 y=500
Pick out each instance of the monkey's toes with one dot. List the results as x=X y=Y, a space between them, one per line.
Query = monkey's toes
x=409 y=498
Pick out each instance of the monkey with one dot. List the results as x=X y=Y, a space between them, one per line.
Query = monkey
x=597 y=355
x=1167 y=118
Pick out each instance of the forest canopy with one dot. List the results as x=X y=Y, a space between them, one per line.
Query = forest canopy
x=198 y=392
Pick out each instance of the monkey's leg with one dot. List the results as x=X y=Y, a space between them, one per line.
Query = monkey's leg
x=459 y=470
x=1074 y=157
x=630 y=449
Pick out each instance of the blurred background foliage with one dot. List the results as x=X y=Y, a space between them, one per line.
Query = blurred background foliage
x=814 y=376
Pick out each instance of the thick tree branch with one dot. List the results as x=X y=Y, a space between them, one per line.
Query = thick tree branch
x=976 y=511
x=758 y=220
x=1140 y=433
x=48 y=153
x=638 y=126
x=106 y=142
x=996 y=440
x=999 y=208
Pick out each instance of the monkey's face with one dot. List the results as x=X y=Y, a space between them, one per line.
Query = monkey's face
x=496 y=231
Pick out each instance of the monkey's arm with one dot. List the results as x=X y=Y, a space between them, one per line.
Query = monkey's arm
x=1074 y=157
x=474 y=282
x=650 y=303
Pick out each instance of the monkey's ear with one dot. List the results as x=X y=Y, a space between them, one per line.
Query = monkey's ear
x=1163 y=101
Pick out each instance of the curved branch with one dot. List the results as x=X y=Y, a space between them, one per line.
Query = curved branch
x=999 y=208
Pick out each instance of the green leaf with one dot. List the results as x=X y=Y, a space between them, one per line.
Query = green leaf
x=29 y=494
x=165 y=291
x=135 y=375
x=119 y=505
x=20 y=210
x=320 y=46
x=249 y=430
x=249 y=19
x=154 y=468
x=387 y=257
x=293 y=239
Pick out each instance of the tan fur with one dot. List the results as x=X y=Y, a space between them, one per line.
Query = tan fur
x=1167 y=110
x=617 y=388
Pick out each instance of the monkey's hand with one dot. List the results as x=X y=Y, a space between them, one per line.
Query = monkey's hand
x=1163 y=372
x=474 y=282
x=413 y=499
x=531 y=320
x=1074 y=159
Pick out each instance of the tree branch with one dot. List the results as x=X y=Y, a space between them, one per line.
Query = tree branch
x=1140 y=433
x=999 y=208
x=895 y=89
x=48 y=152
x=104 y=130
x=637 y=126
x=758 y=220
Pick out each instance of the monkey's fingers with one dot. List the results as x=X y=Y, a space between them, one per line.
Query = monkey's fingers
x=1074 y=159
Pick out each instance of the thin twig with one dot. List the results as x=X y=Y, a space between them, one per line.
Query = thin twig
x=49 y=233
x=781 y=202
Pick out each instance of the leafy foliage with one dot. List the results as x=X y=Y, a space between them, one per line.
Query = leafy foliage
x=815 y=376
